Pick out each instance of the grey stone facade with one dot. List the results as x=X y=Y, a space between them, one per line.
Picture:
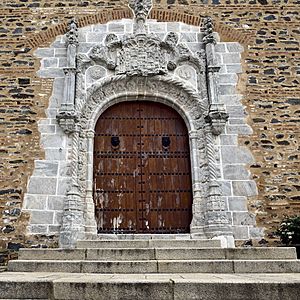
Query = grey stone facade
x=219 y=165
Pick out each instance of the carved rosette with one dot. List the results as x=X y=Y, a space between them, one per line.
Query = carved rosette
x=217 y=118
x=72 y=34
x=209 y=37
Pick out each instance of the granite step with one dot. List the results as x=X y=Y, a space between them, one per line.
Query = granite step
x=157 y=266
x=158 y=253
x=152 y=243
x=62 y=286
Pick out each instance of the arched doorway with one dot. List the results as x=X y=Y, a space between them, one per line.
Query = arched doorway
x=142 y=177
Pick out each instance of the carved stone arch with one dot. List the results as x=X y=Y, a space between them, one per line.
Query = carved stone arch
x=163 y=89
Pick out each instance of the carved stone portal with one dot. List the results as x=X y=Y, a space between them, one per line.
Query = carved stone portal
x=138 y=66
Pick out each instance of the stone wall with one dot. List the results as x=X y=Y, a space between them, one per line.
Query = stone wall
x=269 y=32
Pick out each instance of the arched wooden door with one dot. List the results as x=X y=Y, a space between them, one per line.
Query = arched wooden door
x=142 y=180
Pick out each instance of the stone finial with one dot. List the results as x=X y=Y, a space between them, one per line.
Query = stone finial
x=72 y=34
x=209 y=31
x=141 y=9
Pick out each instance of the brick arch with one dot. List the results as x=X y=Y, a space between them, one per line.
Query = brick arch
x=226 y=32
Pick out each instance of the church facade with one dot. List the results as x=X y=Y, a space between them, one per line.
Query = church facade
x=142 y=133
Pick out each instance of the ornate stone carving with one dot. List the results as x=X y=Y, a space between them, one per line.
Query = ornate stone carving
x=217 y=118
x=209 y=37
x=72 y=34
x=141 y=8
x=67 y=121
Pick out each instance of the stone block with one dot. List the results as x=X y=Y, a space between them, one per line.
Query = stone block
x=52 y=254
x=45 y=168
x=53 y=141
x=59 y=44
x=229 y=139
x=85 y=47
x=256 y=233
x=195 y=266
x=64 y=168
x=54 y=229
x=244 y=188
x=38 y=229
x=42 y=185
x=101 y=28
x=55 y=154
x=119 y=267
x=35 y=201
x=44 y=52
x=56 y=202
x=236 y=111
x=243 y=218
x=58 y=217
x=41 y=217
x=61 y=52
x=116 y=27
x=236 y=155
x=234 y=47
x=235 y=172
x=189 y=254
x=220 y=47
x=231 y=100
x=79 y=288
x=237 y=203
x=50 y=62
x=227 y=89
x=95 y=37
x=47 y=129
x=188 y=37
x=51 y=73
x=234 y=68
x=239 y=129
x=237 y=121
x=63 y=185
x=226 y=188
x=41 y=266
x=173 y=26
x=231 y=58
x=228 y=78
x=120 y=254
x=240 y=232
x=157 y=27
x=267 y=266
x=185 y=27
x=62 y=62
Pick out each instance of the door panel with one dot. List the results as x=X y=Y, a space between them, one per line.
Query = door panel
x=142 y=185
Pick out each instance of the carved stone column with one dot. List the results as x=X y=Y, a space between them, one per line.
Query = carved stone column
x=73 y=218
x=90 y=221
x=197 y=223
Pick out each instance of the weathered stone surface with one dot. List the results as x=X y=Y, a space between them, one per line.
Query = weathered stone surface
x=42 y=185
x=244 y=188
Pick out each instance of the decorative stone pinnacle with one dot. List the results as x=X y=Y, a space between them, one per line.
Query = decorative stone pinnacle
x=141 y=10
x=72 y=34
x=209 y=31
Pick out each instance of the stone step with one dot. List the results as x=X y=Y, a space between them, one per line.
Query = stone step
x=156 y=266
x=60 y=286
x=148 y=243
x=158 y=253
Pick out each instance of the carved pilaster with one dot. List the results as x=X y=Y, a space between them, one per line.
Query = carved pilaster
x=216 y=219
x=73 y=215
x=67 y=117
x=217 y=116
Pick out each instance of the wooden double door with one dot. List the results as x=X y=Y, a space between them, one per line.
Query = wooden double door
x=142 y=181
